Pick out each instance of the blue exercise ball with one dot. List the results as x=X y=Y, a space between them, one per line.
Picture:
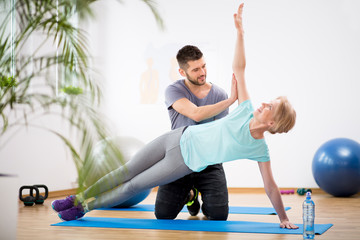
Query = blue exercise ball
x=104 y=163
x=336 y=167
x=135 y=199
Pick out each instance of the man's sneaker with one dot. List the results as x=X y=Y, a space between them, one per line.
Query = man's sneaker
x=63 y=204
x=193 y=205
x=72 y=213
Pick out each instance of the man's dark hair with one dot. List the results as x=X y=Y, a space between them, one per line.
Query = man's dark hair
x=186 y=54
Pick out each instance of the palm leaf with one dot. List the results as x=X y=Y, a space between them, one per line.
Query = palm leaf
x=52 y=19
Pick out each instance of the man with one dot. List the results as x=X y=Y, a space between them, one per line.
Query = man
x=193 y=101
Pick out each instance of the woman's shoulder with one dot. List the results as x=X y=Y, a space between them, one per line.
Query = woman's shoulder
x=245 y=105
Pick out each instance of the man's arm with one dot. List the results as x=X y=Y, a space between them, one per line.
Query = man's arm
x=185 y=107
x=239 y=61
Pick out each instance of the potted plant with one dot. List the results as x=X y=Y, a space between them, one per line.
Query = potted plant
x=56 y=82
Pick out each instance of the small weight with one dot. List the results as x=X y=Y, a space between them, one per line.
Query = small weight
x=41 y=198
x=29 y=200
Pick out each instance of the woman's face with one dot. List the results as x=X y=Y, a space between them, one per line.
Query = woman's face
x=266 y=112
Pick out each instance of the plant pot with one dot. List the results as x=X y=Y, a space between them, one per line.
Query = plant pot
x=9 y=206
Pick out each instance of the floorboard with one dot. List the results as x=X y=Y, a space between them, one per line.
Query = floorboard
x=34 y=222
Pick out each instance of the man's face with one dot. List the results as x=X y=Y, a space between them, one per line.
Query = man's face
x=196 y=72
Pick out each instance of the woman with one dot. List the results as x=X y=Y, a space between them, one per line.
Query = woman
x=175 y=154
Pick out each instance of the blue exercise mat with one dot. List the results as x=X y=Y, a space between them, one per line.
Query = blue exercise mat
x=232 y=210
x=189 y=225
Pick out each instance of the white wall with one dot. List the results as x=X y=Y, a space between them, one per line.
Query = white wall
x=307 y=50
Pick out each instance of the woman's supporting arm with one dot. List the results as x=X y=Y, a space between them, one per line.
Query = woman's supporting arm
x=273 y=193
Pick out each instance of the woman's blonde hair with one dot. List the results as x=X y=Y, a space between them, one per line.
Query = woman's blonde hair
x=284 y=117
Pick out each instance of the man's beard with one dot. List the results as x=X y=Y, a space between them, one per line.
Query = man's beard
x=195 y=81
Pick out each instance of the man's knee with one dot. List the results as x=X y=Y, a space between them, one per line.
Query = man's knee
x=170 y=199
x=165 y=213
x=166 y=208
x=216 y=213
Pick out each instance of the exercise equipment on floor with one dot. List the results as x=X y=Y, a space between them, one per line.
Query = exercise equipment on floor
x=31 y=199
x=105 y=163
x=303 y=191
x=134 y=200
x=232 y=209
x=41 y=198
x=290 y=191
x=336 y=167
x=190 y=225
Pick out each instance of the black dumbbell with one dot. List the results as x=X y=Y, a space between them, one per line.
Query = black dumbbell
x=41 y=198
x=29 y=200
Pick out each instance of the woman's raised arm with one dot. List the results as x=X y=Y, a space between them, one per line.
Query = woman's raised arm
x=239 y=61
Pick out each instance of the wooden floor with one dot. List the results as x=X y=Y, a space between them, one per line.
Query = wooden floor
x=34 y=222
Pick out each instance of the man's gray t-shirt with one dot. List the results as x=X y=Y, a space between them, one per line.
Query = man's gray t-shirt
x=178 y=90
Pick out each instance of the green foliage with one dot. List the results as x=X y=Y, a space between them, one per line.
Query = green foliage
x=71 y=90
x=7 y=82
x=29 y=84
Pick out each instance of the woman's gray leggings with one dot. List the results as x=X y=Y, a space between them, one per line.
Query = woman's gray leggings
x=157 y=163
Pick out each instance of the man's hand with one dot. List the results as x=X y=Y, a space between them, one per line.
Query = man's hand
x=234 y=91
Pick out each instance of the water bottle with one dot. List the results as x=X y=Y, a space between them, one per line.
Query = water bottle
x=308 y=217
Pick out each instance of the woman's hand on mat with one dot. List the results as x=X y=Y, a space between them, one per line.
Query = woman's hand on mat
x=287 y=224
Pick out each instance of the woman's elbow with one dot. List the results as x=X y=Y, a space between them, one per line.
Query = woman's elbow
x=239 y=67
x=270 y=188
